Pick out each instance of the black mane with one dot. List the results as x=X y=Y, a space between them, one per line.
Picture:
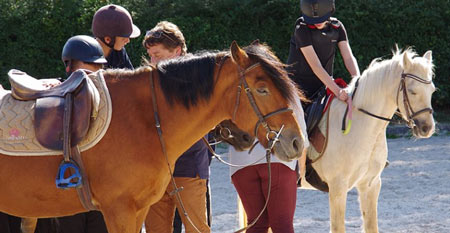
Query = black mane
x=188 y=78
x=275 y=69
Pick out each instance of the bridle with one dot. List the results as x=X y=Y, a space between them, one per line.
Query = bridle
x=261 y=118
x=243 y=85
x=410 y=113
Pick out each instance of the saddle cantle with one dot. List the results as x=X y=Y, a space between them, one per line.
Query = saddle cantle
x=25 y=87
x=50 y=106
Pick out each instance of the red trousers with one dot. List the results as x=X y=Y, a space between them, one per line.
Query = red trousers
x=252 y=185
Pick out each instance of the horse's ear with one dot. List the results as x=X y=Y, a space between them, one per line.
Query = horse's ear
x=239 y=55
x=406 y=61
x=256 y=42
x=428 y=56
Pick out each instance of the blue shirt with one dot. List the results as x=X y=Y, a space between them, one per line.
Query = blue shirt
x=193 y=162
x=118 y=59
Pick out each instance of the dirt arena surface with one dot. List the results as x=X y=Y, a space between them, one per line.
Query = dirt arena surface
x=415 y=193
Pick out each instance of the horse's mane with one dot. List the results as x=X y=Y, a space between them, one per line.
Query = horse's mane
x=188 y=78
x=379 y=73
x=276 y=69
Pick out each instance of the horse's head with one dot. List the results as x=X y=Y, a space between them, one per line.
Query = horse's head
x=228 y=132
x=415 y=91
x=265 y=100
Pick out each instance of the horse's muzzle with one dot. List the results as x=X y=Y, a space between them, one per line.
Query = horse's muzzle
x=423 y=129
x=289 y=147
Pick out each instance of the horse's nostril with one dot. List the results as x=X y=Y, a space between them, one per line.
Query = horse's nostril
x=246 y=137
x=425 y=128
x=296 y=145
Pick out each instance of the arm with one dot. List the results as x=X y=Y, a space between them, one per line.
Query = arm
x=349 y=60
x=319 y=71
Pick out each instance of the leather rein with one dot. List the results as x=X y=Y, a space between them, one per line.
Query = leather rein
x=410 y=113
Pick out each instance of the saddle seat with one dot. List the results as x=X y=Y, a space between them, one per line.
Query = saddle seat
x=25 y=87
x=50 y=122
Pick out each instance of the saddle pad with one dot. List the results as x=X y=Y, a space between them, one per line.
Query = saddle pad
x=319 y=138
x=17 y=134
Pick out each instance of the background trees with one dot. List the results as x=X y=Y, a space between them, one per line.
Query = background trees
x=32 y=32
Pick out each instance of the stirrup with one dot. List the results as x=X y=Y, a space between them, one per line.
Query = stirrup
x=73 y=181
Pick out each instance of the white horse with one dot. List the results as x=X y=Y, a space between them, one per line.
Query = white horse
x=358 y=158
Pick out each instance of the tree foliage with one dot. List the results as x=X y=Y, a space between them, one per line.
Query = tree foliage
x=32 y=33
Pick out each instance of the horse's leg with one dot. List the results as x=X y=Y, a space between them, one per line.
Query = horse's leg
x=120 y=217
x=28 y=225
x=368 y=198
x=369 y=187
x=338 y=199
x=141 y=214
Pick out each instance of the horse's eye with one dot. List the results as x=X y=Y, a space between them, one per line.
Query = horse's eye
x=262 y=91
x=412 y=92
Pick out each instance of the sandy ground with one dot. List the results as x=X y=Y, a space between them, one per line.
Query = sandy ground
x=415 y=193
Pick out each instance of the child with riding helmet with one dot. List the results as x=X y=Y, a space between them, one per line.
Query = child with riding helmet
x=313 y=48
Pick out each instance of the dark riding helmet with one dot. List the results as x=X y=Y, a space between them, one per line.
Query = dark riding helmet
x=316 y=11
x=82 y=48
x=113 y=20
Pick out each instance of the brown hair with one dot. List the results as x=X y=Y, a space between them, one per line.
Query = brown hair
x=165 y=33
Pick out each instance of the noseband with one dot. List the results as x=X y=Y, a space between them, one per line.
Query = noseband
x=410 y=113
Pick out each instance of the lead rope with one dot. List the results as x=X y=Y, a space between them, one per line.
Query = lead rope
x=163 y=147
x=270 y=146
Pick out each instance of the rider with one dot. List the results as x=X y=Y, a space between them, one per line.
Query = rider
x=113 y=27
x=79 y=52
x=313 y=48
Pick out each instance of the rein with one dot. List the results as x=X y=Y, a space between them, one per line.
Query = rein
x=163 y=147
x=410 y=113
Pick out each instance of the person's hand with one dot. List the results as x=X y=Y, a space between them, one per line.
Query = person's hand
x=342 y=95
x=49 y=83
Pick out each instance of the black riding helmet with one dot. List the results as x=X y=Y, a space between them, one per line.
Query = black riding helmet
x=316 y=11
x=82 y=48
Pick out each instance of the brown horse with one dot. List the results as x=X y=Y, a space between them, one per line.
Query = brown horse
x=127 y=169
x=227 y=131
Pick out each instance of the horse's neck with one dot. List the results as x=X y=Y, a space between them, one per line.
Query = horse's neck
x=378 y=95
x=183 y=127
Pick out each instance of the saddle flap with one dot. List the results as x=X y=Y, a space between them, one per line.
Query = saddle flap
x=314 y=111
x=48 y=123
x=49 y=118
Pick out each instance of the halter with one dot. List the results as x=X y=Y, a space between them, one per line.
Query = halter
x=410 y=113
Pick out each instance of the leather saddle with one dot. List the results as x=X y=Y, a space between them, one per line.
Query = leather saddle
x=314 y=110
x=74 y=96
